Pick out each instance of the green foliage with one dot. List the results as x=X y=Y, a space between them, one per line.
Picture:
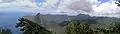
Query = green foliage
x=31 y=28
x=103 y=27
x=78 y=27
x=88 y=26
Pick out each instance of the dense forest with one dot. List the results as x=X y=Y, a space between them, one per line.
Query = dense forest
x=81 y=27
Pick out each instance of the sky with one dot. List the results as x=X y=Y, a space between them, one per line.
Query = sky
x=105 y=8
x=11 y=10
x=98 y=8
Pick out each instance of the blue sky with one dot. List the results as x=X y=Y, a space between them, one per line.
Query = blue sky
x=103 y=1
x=39 y=1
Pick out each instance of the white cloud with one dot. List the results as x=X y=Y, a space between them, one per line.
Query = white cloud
x=6 y=1
x=50 y=4
x=0 y=0
x=24 y=4
x=67 y=7
x=107 y=9
x=28 y=4
x=76 y=6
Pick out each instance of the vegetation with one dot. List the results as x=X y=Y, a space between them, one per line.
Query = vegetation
x=31 y=28
x=88 y=26
x=5 y=31
x=105 y=27
x=78 y=27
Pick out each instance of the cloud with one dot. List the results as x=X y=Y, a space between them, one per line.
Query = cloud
x=50 y=3
x=77 y=5
x=89 y=7
x=107 y=9
x=23 y=4
x=6 y=1
x=28 y=4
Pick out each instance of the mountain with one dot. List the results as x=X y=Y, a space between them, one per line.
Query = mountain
x=61 y=19
x=59 y=22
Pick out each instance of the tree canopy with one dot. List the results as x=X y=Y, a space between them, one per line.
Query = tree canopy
x=29 y=27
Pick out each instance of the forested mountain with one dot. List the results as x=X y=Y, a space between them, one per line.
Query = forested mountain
x=63 y=24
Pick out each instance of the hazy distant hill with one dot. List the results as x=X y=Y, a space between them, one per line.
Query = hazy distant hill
x=61 y=18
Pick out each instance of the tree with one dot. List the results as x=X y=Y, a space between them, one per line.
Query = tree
x=109 y=26
x=78 y=27
x=30 y=27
